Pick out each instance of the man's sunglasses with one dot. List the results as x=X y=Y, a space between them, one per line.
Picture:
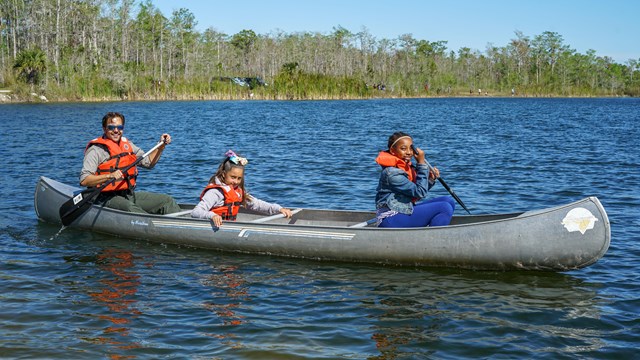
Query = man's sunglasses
x=113 y=127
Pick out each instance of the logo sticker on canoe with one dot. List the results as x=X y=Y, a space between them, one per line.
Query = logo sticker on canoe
x=139 y=223
x=579 y=219
x=77 y=199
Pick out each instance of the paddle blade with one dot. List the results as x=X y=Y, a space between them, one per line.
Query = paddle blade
x=77 y=205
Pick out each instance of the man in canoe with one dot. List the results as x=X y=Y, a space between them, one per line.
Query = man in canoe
x=104 y=159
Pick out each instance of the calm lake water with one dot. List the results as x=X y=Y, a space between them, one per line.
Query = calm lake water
x=85 y=296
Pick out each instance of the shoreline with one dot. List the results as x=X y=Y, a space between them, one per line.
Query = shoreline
x=6 y=97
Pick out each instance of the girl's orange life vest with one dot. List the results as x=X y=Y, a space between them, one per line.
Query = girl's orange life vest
x=232 y=201
x=385 y=159
x=121 y=155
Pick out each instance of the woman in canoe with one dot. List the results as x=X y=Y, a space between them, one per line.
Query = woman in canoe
x=230 y=194
x=402 y=186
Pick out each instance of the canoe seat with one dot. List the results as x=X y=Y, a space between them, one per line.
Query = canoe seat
x=179 y=213
x=364 y=223
x=273 y=217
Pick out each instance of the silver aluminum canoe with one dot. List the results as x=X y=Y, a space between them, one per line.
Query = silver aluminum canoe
x=560 y=238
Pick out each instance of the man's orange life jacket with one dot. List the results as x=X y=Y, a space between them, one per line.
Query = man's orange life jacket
x=121 y=155
x=232 y=201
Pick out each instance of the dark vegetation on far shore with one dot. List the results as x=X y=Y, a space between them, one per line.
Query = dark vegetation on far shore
x=105 y=50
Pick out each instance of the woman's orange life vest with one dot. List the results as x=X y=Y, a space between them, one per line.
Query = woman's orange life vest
x=386 y=159
x=121 y=155
x=232 y=201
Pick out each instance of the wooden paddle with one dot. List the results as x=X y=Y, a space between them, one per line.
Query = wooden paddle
x=80 y=203
x=444 y=184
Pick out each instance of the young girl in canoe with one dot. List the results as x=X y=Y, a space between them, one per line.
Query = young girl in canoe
x=225 y=193
x=402 y=185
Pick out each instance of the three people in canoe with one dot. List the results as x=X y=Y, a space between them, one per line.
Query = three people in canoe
x=400 y=196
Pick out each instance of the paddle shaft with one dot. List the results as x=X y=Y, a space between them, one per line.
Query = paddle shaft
x=126 y=168
x=444 y=184
x=77 y=205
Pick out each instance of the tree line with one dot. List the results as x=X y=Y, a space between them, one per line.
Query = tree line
x=120 y=49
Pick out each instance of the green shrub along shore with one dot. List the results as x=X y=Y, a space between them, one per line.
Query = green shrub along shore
x=335 y=91
x=107 y=50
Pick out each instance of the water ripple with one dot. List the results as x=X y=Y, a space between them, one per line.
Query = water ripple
x=83 y=295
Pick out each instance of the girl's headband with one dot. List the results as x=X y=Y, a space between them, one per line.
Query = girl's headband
x=238 y=160
x=398 y=139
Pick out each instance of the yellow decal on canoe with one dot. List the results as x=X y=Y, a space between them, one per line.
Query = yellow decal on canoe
x=579 y=219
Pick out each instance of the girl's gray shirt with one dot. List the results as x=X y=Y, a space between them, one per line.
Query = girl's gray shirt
x=214 y=198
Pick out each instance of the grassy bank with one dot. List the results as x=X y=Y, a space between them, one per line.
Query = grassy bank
x=290 y=91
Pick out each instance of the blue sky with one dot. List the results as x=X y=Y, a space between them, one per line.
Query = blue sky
x=610 y=27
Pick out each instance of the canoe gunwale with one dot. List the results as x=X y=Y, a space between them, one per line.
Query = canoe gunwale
x=499 y=217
